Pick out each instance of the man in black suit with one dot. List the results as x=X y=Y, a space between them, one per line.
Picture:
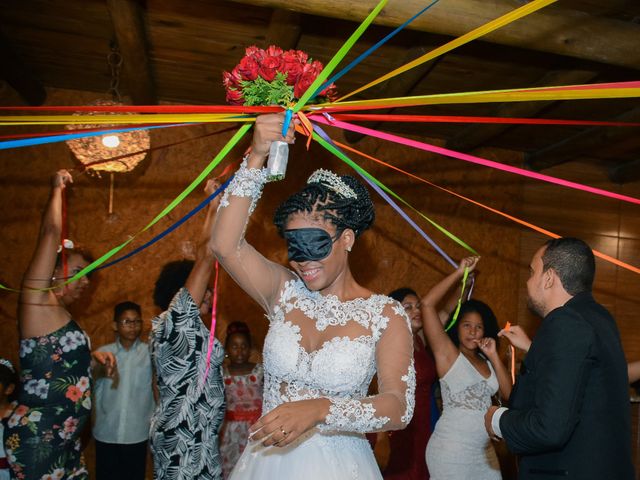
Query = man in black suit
x=569 y=412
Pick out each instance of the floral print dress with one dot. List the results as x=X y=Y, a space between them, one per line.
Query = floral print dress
x=42 y=438
x=244 y=408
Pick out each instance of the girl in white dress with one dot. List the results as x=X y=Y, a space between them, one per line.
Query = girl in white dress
x=470 y=372
x=327 y=334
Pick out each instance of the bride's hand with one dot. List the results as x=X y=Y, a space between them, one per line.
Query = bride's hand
x=288 y=421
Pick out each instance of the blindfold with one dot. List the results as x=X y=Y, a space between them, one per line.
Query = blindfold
x=309 y=244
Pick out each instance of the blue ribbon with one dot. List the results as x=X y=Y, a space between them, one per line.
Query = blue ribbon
x=287 y=121
x=27 y=142
x=163 y=234
x=369 y=51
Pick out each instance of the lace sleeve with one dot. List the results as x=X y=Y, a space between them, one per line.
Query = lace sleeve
x=257 y=276
x=392 y=407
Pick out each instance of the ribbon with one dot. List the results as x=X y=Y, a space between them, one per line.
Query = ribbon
x=371 y=49
x=207 y=170
x=477 y=160
x=331 y=146
x=454 y=319
x=512 y=351
x=364 y=117
x=337 y=58
x=570 y=92
x=466 y=38
x=538 y=229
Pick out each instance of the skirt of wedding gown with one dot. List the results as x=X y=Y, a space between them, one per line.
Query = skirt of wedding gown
x=314 y=456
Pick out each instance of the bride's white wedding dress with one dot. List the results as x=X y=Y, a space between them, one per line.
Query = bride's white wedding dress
x=319 y=347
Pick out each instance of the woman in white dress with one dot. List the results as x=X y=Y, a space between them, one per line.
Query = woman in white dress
x=327 y=333
x=470 y=373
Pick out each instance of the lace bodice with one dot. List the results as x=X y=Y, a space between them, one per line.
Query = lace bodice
x=464 y=387
x=318 y=346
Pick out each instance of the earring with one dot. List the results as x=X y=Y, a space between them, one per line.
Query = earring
x=348 y=249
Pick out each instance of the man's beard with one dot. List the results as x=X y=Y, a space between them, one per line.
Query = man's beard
x=535 y=307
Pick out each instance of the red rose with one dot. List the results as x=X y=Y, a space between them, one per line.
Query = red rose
x=229 y=80
x=302 y=56
x=331 y=92
x=292 y=67
x=248 y=68
x=269 y=67
x=256 y=53
x=274 y=51
x=309 y=74
x=234 y=97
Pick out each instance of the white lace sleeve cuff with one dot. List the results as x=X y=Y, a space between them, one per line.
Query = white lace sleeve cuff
x=349 y=415
x=247 y=182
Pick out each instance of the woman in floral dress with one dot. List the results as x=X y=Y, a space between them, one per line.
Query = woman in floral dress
x=243 y=384
x=42 y=438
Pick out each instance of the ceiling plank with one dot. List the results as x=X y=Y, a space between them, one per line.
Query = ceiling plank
x=552 y=29
x=625 y=172
x=126 y=16
x=400 y=87
x=17 y=74
x=586 y=141
x=474 y=136
x=284 y=29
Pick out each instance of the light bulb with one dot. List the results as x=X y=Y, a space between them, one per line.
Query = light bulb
x=111 y=141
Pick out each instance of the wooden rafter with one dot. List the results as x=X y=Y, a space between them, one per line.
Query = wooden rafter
x=284 y=29
x=17 y=74
x=475 y=136
x=128 y=25
x=553 y=29
x=585 y=141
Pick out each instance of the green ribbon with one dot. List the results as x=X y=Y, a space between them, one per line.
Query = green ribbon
x=203 y=175
x=455 y=314
x=358 y=168
x=337 y=58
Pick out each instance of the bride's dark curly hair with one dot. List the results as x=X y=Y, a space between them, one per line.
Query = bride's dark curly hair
x=357 y=214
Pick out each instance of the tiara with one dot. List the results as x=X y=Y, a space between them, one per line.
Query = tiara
x=7 y=364
x=332 y=181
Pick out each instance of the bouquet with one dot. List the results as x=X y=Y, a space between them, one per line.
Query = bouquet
x=273 y=77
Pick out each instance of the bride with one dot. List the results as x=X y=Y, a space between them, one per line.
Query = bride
x=327 y=334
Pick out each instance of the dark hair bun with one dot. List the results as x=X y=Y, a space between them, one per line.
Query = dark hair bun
x=356 y=214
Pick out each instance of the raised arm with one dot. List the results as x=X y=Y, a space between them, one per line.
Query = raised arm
x=32 y=320
x=201 y=273
x=259 y=277
x=488 y=347
x=444 y=351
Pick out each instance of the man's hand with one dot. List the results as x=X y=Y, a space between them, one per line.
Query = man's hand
x=487 y=422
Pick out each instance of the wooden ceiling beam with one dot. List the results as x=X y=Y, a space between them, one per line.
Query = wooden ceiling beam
x=474 y=136
x=128 y=25
x=284 y=29
x=553 y=29
x=17 y=74
x=585 y=141
x=400 y=87
x=625 y=172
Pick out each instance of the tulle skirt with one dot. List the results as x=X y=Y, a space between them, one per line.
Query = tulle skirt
x=314 y=456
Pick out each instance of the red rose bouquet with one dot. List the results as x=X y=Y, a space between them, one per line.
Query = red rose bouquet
x=273 y=77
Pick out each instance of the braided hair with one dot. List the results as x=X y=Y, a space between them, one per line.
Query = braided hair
x=356 y=214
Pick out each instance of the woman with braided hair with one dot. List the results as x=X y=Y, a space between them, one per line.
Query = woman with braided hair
x=327 y=335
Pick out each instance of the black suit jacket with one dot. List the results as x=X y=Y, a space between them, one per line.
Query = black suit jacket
x=569 y=413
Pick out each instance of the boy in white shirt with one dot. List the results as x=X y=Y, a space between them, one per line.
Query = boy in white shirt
x=124 y=404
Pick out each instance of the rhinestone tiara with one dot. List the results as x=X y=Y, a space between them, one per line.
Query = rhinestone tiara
x=333 y=181
x=7 y=364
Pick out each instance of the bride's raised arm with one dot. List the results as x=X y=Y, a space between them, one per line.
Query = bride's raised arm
x=256 y=275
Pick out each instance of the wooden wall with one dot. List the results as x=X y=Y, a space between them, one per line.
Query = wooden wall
x=390 y=256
